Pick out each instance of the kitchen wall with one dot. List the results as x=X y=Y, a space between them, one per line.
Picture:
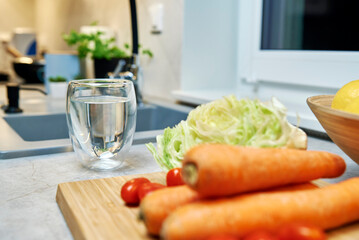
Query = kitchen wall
x=210 y=45
x=51 y=18
x=161 y=74
x=13 y=14
x=16 y=13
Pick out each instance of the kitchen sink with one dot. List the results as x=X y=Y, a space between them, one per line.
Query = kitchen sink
x=39 y=127
x=28 y=135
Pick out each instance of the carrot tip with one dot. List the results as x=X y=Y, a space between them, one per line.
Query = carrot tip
x=190 y=174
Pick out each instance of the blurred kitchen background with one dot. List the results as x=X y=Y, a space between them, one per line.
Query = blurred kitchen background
x=50 y=19
x=208 y=49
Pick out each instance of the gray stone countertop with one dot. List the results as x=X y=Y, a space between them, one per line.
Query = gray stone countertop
x=28 y=209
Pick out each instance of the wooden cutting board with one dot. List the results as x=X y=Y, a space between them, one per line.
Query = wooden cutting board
x=93 y=209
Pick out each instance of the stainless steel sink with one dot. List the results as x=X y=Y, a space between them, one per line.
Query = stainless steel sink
x=28 y=135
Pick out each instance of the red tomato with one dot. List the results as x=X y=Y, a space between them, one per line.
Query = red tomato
x=146 y=188
x=260 y=235
x=174 y=177
x=223 y=237
x=301 y=231
x=129 y=191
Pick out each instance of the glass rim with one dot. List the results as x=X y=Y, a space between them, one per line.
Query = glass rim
x=98 y=82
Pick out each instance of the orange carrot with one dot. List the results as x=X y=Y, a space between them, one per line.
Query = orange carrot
x=219 y=170
x=326 y=208
x=155 y=207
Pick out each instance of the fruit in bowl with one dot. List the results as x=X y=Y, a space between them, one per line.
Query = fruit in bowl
x=347 y=98
x=338 y=116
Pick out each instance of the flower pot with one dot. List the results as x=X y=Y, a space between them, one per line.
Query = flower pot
x=58 y=89
x=103 y=66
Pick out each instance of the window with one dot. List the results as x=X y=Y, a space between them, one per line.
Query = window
x=303 y=42
x=327 y=25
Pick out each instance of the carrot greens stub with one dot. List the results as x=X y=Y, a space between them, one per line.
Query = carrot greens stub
x=190 y=174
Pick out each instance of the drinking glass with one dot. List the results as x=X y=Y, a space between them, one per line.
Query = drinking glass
x=101 y=116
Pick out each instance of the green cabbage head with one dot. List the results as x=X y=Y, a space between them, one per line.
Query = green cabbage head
x=228 y=120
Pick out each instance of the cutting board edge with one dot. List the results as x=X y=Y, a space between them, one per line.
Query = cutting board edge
x=68 y=215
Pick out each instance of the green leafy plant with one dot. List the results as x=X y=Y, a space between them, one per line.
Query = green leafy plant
x=95 y=45
x=78 y=76
x=57 y=79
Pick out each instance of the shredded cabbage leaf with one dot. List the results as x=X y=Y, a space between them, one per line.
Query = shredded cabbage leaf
x=228 y=120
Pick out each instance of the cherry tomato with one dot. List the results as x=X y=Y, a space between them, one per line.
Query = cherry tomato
x=223 y=237
x=129 y=191
x=301 y=231
x=174 y=177
x=146 y=188
x=260 y=235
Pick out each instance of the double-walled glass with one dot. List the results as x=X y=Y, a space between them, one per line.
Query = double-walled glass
x=101 y=116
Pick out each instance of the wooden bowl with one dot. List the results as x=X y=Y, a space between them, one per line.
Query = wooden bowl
x=342 y=127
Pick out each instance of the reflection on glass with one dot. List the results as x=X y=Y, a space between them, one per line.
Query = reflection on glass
x=330 y=25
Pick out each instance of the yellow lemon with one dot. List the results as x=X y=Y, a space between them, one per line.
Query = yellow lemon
x=353 y=107
x=346 y=96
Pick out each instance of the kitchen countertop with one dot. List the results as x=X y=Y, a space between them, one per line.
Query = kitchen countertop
x=28 y=209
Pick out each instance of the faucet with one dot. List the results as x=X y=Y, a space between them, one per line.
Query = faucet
x=133 y=70
x=135 y=74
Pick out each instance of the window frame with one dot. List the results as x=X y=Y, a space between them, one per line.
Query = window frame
x=327 y=69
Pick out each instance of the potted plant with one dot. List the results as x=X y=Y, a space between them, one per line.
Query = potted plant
x=103 y=51
x=57 y=87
